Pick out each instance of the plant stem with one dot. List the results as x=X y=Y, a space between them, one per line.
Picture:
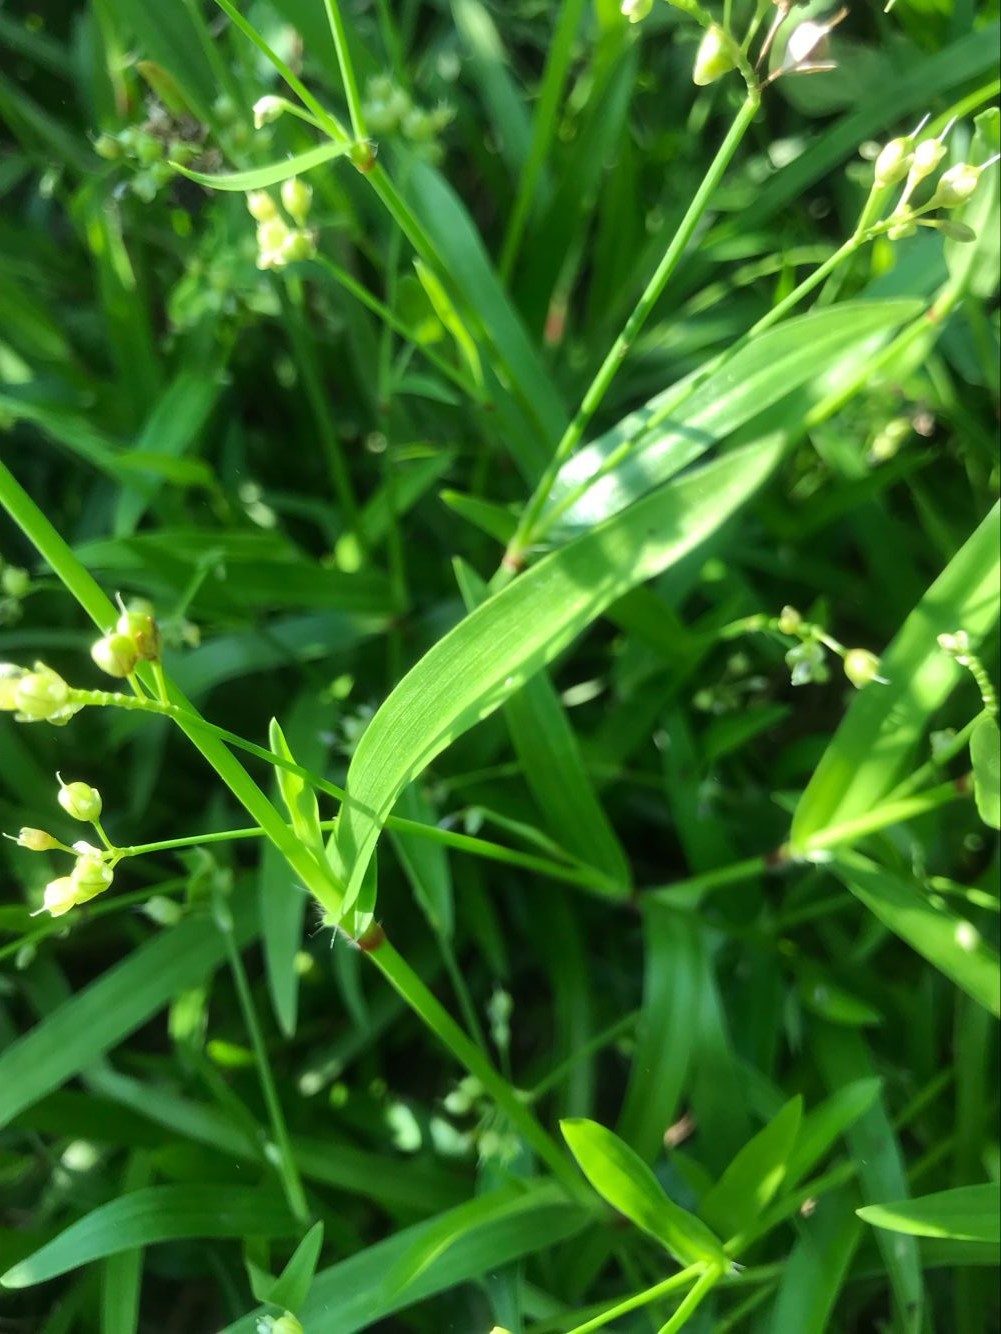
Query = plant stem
x=340 y=36
x=543 y=128
x=694 y=1298
x=433 y=1014
x=893 y=812
x=330 y=123
x=304 y=347
x=390 y=318
x=639 y=1299
x=286 y=1164
x=600 y=384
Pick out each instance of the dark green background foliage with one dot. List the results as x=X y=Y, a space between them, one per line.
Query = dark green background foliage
x=312 y=473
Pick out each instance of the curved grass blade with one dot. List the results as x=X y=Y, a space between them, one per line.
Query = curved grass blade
x=968 y=1213
x=122 y=999
x=655 y=442
x=870 y=749
x=488 y=656
x=950 y=943
x=482 y=1235
x=258 y=178
x=154 y=1214
x=622 y=1178
x=750 y=1182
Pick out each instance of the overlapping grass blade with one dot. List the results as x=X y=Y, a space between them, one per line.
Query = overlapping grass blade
x=472 y=670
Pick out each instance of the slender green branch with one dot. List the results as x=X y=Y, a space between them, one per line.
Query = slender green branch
x=390 y=318
x=543 y=129
x=339 y=33
x=599 y=386
x=433 y=1014
x=330 y=123
x=304 y=346
x=638 y=1299
x=693 y=1299
x=286 y=1164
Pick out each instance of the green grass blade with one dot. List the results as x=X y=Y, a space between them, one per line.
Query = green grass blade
x=259 y=178
x=665 y=1033
x=622 y=1178
x=657 y=440
x=985 y=755
x=874 y=743
x=473 y=669
x=478 y=1236
x=968 y=1213
x=950 y=943
x=154 y=1214
x=102 y=1015
x=843 y=1057
x=753 y=1178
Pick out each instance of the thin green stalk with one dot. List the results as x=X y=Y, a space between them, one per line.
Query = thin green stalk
x=340 y=36
x=600 y=384
x=693 y=382
x=467 y=843
x=638 y=1299
x=543 y=129
x=600 y=1040
x=433 y=1014
x=694 y=1299
x=933 y=767
x=462 y=994
x=304 y=347
x=330 y=123
x=393 y=321
x=695 y=886
x=893 y=812
x=286 y=1164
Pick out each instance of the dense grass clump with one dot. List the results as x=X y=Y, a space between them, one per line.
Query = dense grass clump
x=499 y=558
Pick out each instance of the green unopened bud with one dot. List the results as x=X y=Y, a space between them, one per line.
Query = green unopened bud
x=148 y=149
x=297 y=198
x=39 y=696
x=115 y=654
x=81 y=801
x=716 y=56
x=36 y=840
x=790 y=621
x=14 y=581
x=286 y=1324
x=900 y=230
x=269 y=108
x=636 y=10
x=893 y=163
x=141 y=628
x=91 y=875
x=957 y=644
x=862 y=668
x=956 y=186
x=60 y=895
x=261 y=206
x=108 y=147
x=10 y=676
x=298 y=245
x=928 y=154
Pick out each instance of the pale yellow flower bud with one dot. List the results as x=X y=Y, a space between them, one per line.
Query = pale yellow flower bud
x=81 y=801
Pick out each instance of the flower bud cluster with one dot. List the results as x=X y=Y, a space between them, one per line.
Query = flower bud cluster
x=134 y=638
x=150 y=149
x=389 y=109
x=911 y=162
x=37 y=696
x=807 y=660
x=15 y=584
x=278 y=244
x=93 y=868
